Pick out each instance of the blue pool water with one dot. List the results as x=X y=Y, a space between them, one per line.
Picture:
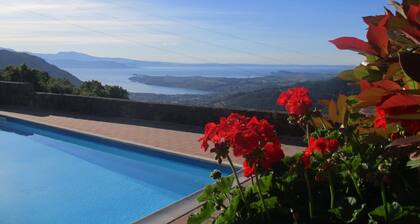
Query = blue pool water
x=53 y=176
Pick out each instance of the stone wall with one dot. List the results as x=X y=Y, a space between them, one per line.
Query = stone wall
x=23 y=95
x=16 y=93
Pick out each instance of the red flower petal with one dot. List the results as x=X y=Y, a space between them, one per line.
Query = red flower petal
x=354 y=44
x=248 y=170
x=380 y=120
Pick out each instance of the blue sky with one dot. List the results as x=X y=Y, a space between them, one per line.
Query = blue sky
x=198 y=31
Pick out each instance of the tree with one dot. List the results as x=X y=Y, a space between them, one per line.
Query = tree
x=92 y=88
x=116 y=92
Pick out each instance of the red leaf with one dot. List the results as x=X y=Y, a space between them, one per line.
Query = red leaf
x=364 y=85
x=413 y=32
x=400 y=102
x=387 y=85
x=378 y=38
x=354 y=44
x=380 y=20
x=373 y=95
x=414 y=14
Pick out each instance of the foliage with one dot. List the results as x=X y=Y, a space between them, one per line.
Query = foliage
x=360 y=164
x=95 y=88
x=42 y=82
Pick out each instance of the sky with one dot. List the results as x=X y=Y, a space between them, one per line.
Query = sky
x=192 y=31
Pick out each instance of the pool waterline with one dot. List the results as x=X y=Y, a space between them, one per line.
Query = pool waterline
x=114 y=160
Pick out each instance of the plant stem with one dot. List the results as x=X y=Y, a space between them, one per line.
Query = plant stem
x=261 y=197
x=310 y=200
x=237 y=179
x=259 y=192
x=330 y=182
x=356 y=186
x=384 y=201
x=308 y=185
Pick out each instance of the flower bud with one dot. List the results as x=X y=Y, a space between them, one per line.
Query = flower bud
x=216 y=174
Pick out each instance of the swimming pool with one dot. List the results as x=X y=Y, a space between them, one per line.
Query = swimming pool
x=49 y=175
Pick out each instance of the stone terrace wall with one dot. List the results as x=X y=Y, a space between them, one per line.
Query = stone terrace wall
x=23 y=95
x=16 y=93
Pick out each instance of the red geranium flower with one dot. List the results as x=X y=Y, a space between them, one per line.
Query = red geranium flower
x=296 y=101
x=320 y=145
x=210 y=134
x=255 y=140
x=273 y=154
x=380 y=120
x=332 y=145
x=306 y=157
x=248 y=170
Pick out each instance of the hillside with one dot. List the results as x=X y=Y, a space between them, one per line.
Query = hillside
x=228 y=86
x=8 y=57
x=266 y=98
x=263 y=98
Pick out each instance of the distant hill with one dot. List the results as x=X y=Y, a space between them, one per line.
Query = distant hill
x=266 y=98
x=79 y=60
x=222 y=85
x=9 y=57
x=73 y=59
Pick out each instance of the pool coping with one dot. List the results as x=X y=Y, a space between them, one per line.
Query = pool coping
x=166 y=214
x=124 y=142
x=181 y=207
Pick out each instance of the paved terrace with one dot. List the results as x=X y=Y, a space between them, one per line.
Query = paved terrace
x=176 y=138
x=173 y=137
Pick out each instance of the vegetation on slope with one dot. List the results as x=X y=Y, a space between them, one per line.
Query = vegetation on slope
x=225 y=86
x=8 y=58
x=261 y=98
x=43 y=82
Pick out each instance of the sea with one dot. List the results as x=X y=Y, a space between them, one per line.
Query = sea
x=121 y=76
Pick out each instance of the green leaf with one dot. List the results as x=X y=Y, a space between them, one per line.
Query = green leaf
x=396 y=212
x=224 y=185
x=270 y=203
x=355 y=163
x=207 y=193
x=347 y=75
x=204 y=214
x=360 y=72
x=413 y=163
x=266 y=183
x=230 y=214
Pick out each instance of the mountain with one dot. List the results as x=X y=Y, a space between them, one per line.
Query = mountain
x=73 y=59
x=9 y=57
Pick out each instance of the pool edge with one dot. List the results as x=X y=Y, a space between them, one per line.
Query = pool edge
x=120 y=141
